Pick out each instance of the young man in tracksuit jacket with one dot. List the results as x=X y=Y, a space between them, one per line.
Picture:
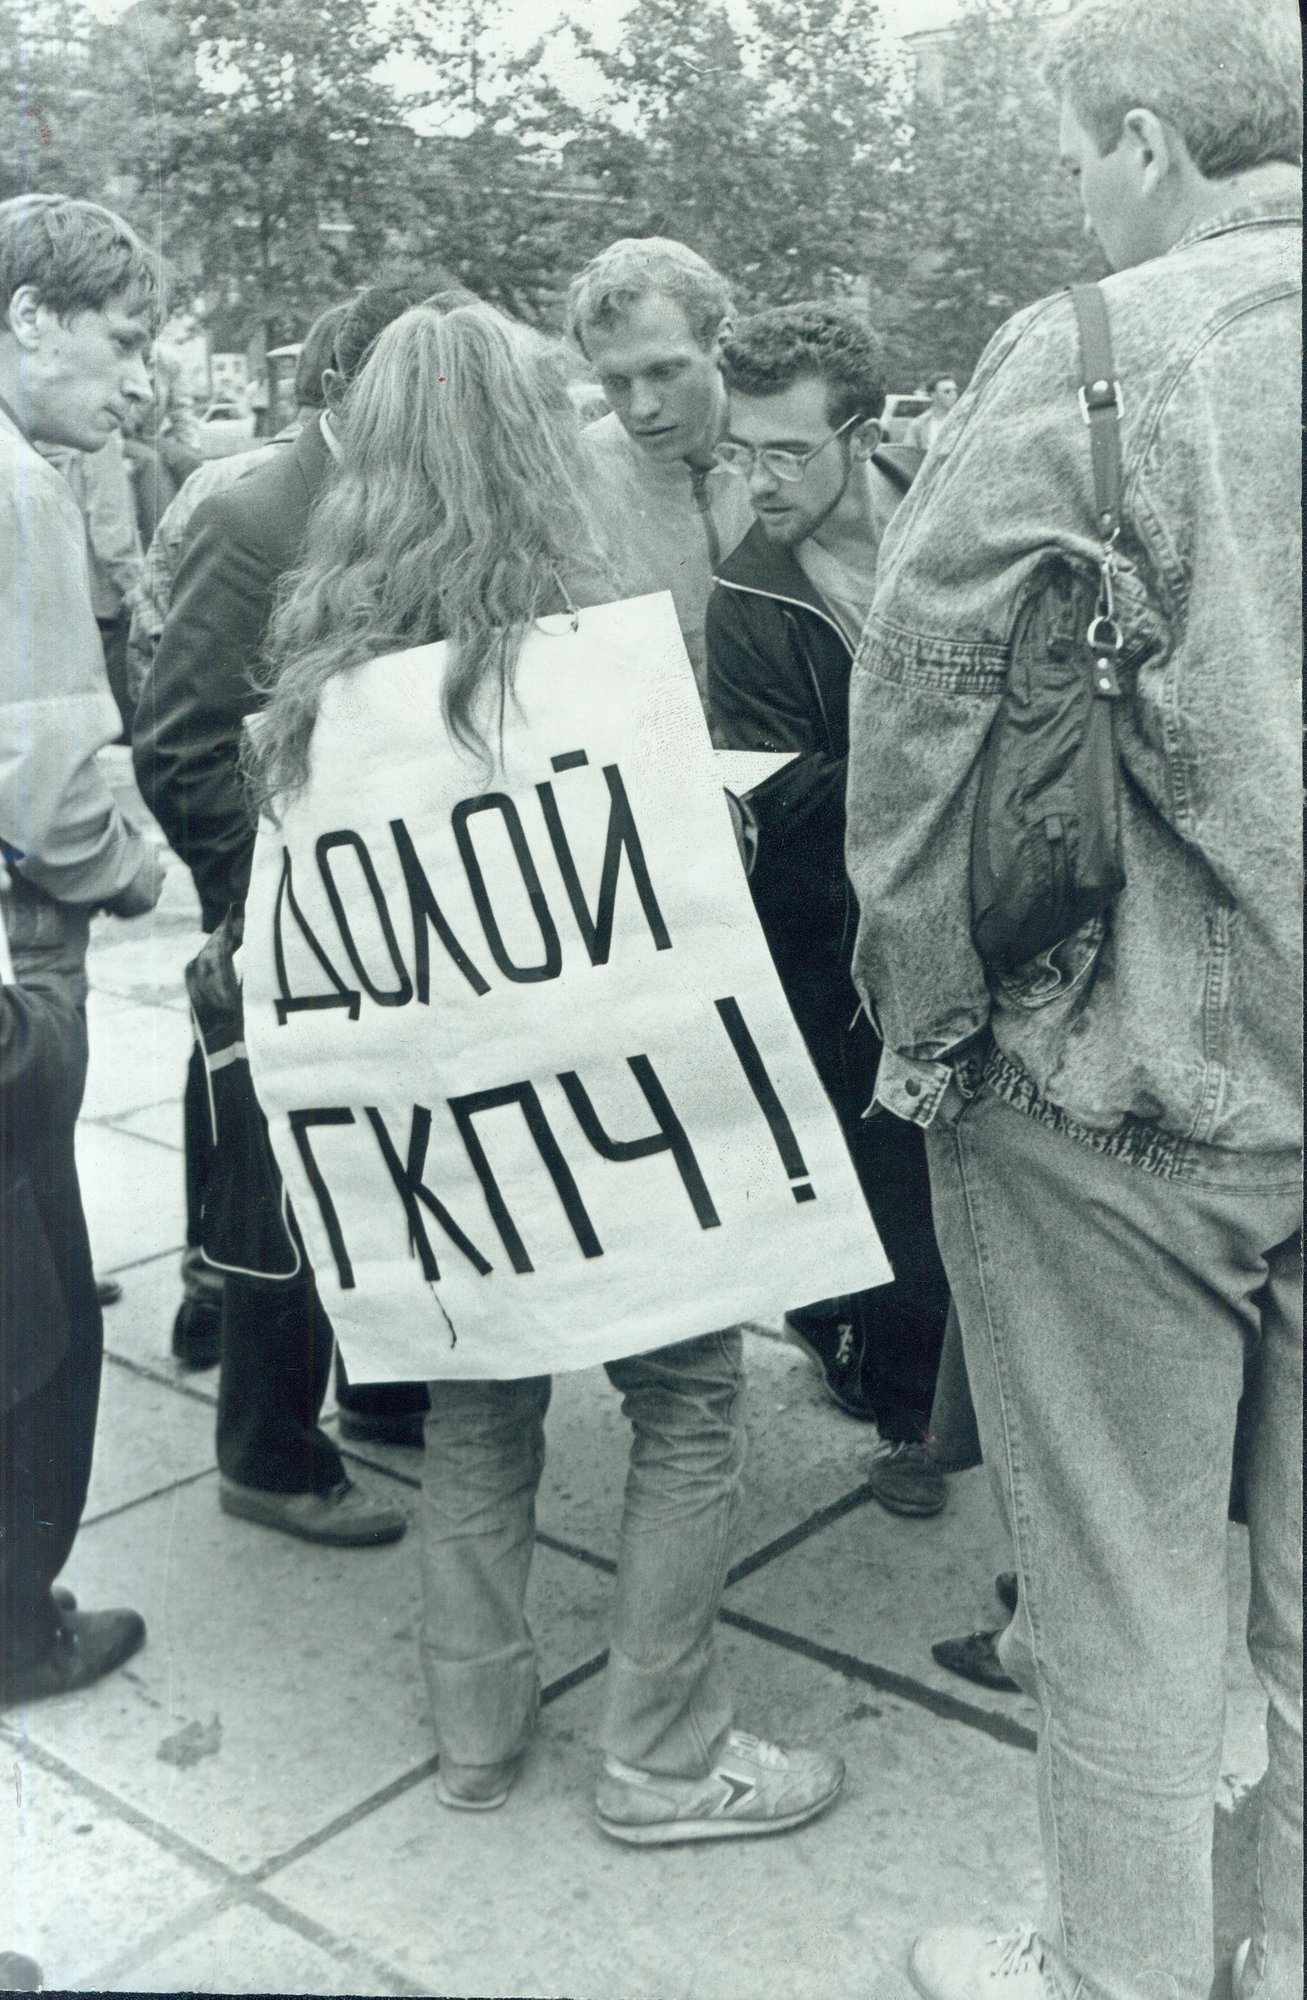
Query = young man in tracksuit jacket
x=784 y=618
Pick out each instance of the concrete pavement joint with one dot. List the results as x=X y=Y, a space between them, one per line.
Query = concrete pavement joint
x=232 y=1886
x=1015 y=1735
x=156 y=1493
x=362 y=1809
x=147 y=1138
x=177 y=1383
x=375 y=1969
x=132 y=1111
x=136 y=1263
x=173 y=1932
x=175 y=1844
x=792 y=1537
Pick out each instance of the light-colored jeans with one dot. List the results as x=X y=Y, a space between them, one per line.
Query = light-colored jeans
x=666 y=1707
x=1106 y=1314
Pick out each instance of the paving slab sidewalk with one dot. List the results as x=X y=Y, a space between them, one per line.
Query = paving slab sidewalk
x=247 y=1807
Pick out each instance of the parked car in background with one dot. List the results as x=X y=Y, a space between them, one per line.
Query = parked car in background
x=899 y=415
x=226 y=427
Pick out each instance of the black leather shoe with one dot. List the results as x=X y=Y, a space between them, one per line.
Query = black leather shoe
x=976 y=1659
x=87 y=1645
x=1005 y=1589
x=197 y=1333
x=835 y=1348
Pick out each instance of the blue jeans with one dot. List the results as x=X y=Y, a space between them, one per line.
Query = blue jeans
x=1106 y=1313
x=666 y=1708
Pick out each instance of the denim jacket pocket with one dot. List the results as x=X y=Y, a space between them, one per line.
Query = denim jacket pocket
x=1054 y=974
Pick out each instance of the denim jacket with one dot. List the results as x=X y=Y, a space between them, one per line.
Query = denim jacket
x=1175 y=1027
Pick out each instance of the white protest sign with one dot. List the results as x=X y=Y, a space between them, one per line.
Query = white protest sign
x=527 y=1066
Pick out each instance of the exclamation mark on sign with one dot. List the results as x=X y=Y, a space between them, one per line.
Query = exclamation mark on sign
x=770 y=1104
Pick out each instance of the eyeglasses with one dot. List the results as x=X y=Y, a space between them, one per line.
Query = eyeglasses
x=786 y=465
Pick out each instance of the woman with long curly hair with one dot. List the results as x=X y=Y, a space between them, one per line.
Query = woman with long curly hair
x=460 y=512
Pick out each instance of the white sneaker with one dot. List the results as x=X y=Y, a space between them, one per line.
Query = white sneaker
x=962 y=1964
x=754 y=1787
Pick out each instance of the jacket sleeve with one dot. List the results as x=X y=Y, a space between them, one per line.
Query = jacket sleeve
x=196 y=696
x=1007 y=481
x=759 y=702
x=58 y=817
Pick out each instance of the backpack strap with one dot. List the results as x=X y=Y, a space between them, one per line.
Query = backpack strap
x=1100 y=403
x=1100 y=406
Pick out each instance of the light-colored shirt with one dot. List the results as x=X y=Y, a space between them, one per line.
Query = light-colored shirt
x=847 y=591
x=674 y=525
x=56 y=711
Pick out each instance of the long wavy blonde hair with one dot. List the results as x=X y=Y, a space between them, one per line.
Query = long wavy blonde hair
x=458 y=512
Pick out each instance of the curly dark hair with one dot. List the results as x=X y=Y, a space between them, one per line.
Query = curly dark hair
x=778 y=347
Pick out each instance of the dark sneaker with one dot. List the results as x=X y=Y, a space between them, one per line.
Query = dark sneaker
x=754 y=1787
x=976 y=1659
x=87 y=1645
x=904 y=1477
x=345 y=1517
x=197 y=1333
x=1005 y=1589
x=960 y=1964
x=835 y=1350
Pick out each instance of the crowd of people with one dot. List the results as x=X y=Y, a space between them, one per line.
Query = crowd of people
x=1084 y=1163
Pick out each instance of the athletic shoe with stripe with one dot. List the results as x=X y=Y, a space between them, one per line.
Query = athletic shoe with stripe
x=754 y=1787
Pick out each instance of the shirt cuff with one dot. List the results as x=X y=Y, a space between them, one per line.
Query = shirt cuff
x=913 y=1090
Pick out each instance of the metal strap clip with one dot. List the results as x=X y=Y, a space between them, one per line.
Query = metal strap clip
x=1100 y=395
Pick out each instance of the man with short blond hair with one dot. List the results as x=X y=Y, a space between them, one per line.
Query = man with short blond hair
x=1114 y=1129
x=650 y=314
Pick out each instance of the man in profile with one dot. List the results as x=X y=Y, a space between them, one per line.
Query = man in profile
x=80 y=298
x=1114 y=1129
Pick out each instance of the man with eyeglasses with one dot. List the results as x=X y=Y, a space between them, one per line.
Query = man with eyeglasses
x=787 y=609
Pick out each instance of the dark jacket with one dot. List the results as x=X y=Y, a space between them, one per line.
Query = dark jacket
x=778 y=679
x=198 y=692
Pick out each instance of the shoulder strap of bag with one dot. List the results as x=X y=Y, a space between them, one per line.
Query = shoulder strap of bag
x=1100 y=403
x=1100 y=406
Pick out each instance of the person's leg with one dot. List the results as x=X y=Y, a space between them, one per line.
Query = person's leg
x=674 y=1768
x=380 y=1412
x=667 y=1709
x=196 y=1331
x=1274 y=1497
x=276 y=1359
x=1103 y=1311
x=484 y=1456
x=902 y=1323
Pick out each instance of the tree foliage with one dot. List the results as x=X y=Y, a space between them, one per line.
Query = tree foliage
x=283 y=154
x=995 y=223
